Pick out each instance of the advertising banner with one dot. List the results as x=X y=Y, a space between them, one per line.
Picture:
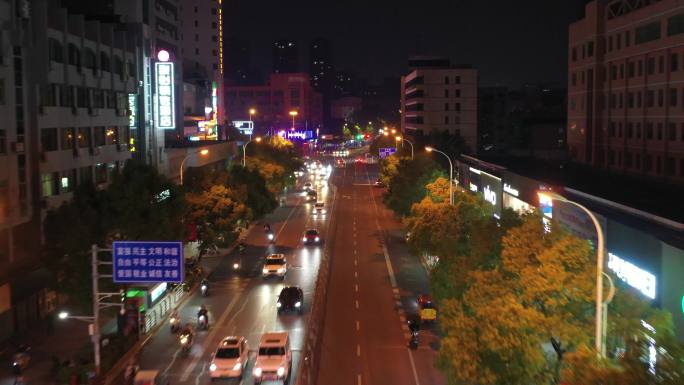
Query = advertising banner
x=147 y=262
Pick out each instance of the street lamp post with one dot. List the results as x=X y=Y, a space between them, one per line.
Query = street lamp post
x=399 y=139
x=252 y=111
x=451 y=172
x=293 y=114
x=244 y=150
x=202 y=152
x=600 y=332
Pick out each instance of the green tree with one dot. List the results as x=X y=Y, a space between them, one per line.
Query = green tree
x=407 y=186
x=249 y=183
x=389 y=167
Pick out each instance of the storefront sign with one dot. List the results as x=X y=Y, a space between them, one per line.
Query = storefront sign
x=165 y=107
x=513 y=191
x=296 y=134
x=157 y=291
x=489 y=195
x=632 y=275
x=132 y=110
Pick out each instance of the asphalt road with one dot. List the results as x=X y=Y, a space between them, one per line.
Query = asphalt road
x=373 y=285
x=242 y=303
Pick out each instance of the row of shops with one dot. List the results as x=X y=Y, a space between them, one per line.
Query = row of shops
x=643 y=250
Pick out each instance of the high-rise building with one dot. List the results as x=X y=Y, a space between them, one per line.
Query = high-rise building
x=442 y=98
x=202 y=31
x=65 y=83
x=238 y=68
x=625 y=70
x=285 y=57
x=321 y=65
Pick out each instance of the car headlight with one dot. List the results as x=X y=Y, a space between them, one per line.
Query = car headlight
x=257 y=372
x=281 y=270
x=323 y=211
x=281 y=371
x=298 y=304
x=212 y=367
x=304 y=239
x=317 y=239
x=264 y=270
x=237 y=366
x=184 y=340
x=278 y=304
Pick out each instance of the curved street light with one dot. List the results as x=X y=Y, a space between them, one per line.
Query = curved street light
x=244 y=150
x=202 y=152
x=399 y=139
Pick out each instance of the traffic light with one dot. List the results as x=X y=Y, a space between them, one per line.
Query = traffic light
x=359 y=136
x=366 y=136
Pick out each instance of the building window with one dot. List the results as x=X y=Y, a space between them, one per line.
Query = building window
x=85 y=175
x=618 y=41
x=646 y=33
x=673 y=97
x=574 y=54
x=628 y=159
x=650 y=98
x=112 y=135
x=649 y=131
x=214 y=53
x=83 y=137
x=446 y=93
x=573 y=79
x=446 y=106
x=104 y=62
x=446 y=80
x=48 y=139
x=661 y=64
x=630 y=100
x=675 y=25
x=659 y=165
x=648 y=164
x=196 y=23
x=682 y=132
x=98 y=136
x=3 y=141
x=628 y=39
x=74 y=55
x=68 y=181
x=630 y=69
x=195 y=9
x=457 y=92
x=457 y=80
x=613 y=72
x=67 y=139
x=446 y=120
x=50 y=184
x=640 y=68
x=457 y=107
x=611 y=157
x=671 y=131
x=55 y=52
x=630 y=130
x=650 y=66
x=660 y=131
x=661 y=98
x=610 y=43
x=214 y=25
x=638 y=130
x=622 y=72
x=213 y=11
x=638 y=103
x=196 y=51
x=118 y=66
x=214 y=38
x=611 y=129
x=101 y=173
x=89 y=60
x=674 y=62
x=590 y=49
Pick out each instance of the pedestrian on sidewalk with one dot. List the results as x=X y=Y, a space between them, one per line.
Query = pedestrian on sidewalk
x=130 y=372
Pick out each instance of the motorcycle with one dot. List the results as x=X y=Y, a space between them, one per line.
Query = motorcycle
x=21 y=358
x=202 y=323
x=236 y=265
x=414 y=329
x=185 y=340
x=174 y=321
x=270 y=236
x=204 y=289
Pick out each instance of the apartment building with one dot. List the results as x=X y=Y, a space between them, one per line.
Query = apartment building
x=626 y=88
x=64 y=86
x=440 y=98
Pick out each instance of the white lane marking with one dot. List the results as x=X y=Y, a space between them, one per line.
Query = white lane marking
x=287 y=219
x=356 y=287
x=358 y=379
x=204 y=368
x=358 y=350
x=356 y=275
x=172 y=361
x=356 y=302
x=358 y=326
x=355 y=262
x=413 y=367
x=210 y=337
x=393 y=281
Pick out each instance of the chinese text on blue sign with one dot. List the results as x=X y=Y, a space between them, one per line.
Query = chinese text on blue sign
x=387 y=151
x=147 y=262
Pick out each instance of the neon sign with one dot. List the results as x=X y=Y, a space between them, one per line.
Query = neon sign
x=507 y=188
x=296 y=134
x=489 y=195
x=133 y=110
x=632 y=275
x=165 y=107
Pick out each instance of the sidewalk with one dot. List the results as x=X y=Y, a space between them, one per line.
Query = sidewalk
x=69 y=340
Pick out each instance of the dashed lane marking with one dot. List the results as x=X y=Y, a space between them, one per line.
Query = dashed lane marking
x=358 y=379
x=356 y=287
x=358 y=326
x=358 y=350
x=356 y=303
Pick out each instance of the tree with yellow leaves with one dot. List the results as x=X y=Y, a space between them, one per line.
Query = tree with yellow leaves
x=218 y=213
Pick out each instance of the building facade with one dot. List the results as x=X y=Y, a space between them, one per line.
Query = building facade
x=65 y=83
x=436 y=99
x=274 y=101
x=202 y=33
x=625 y=93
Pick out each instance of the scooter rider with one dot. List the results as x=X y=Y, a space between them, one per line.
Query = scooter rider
x=267 y=227
x=203 y=312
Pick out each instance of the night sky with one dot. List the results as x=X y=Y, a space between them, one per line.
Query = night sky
x=510 y=42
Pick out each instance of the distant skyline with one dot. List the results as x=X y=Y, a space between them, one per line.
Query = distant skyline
x=510 y=43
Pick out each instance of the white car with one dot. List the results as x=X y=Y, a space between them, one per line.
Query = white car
x=318 y=209
x=275 y=265
x=230 y=358
x=274 y=358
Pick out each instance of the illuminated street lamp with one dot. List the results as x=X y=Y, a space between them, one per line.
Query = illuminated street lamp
x=600 y=332
x=451 y=172
x=244 y=150
x=252 y=111
x=293 y=114
x=399 y=139
x=202 y=152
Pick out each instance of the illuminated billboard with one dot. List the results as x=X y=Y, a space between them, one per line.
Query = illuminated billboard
x=165 y=104
x=296 y=134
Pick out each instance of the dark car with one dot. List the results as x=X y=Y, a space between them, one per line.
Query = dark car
x=378 y=183
x=311 y=236
x=291 y=298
